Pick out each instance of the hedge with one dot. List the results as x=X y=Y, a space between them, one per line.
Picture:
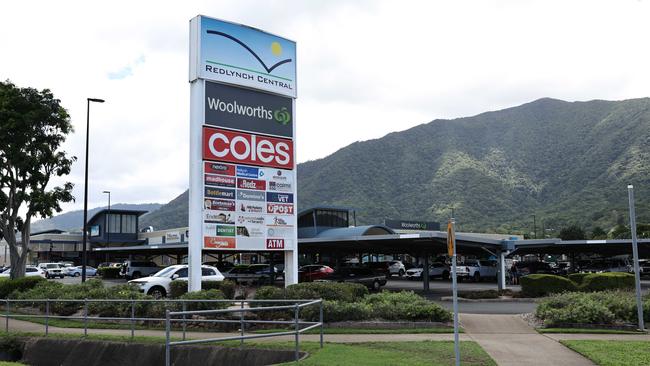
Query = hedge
x=212 y=294
x=604 y=307
x=179 y=287
x=7 y=286
x=332 y=291
x=607 y=281
x=536 y=285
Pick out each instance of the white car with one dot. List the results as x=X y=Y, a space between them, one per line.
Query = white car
x=436 y=270
x=157 y=285
x=52 y=270
x=30 y=271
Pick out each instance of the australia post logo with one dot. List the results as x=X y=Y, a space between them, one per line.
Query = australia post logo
x=246 y=148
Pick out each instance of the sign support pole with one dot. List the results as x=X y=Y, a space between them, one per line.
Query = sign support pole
x=635 y=253
x=451 y=241
x=195 y=240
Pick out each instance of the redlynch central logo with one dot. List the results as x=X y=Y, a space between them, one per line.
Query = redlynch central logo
x=240 y=147
x=259 y=185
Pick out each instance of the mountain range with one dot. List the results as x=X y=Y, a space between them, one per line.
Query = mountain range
x=547 y=163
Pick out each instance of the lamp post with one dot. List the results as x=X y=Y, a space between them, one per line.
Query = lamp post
x=84 y=254
x=534 y=227
x=108 y=220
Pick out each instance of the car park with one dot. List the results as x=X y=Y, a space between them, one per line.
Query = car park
x=313 y=272
x=137 y=269
x=436 y=270
x=30 y=271
x=388 y=268
x=52 y=270
x=607 y=265
x=76 y=271
x=534 y=267
x=365 y=276
x=158 y=285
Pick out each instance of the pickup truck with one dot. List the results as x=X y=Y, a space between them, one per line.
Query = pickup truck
x=478 y=269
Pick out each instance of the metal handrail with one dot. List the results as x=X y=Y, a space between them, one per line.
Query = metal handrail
x=296 y=305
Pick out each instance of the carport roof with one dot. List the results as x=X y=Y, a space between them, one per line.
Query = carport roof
x=558 y=246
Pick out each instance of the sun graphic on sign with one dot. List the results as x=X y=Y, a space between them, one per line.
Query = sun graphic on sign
x=276 y=49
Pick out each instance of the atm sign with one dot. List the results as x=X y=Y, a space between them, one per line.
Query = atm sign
x=274 y=243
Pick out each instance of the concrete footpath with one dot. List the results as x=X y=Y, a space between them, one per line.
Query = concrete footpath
x=509 y=340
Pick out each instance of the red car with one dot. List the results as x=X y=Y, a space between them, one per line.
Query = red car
x=313 y=272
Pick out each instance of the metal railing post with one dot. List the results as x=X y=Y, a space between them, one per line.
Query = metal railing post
x=297 y=352
x=7 y=316
x=47 y=316
x=132 y=319
x=241 y=322
x=85 y=317
x=321 y=323
x=184 y=318
x=167 y=330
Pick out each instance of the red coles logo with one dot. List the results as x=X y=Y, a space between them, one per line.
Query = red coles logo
x=239 y=147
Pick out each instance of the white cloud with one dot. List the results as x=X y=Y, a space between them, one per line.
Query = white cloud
x=365 y=69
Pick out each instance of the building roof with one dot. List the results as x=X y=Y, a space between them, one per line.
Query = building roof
x=116 y=211
x=343 y=232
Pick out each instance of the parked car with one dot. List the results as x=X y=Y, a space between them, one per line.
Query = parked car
x=364 y=276
x=222 y=266
x=388 y=268
x=313 y=272
x=137 y=269
x=607 y=265
x=436 y=270
x=157 y=285
x=251 y=274
x=52 y=270
x=478 y=269
x=76 y=271
x=534 y=267
x=110 y=264
x=29 y=272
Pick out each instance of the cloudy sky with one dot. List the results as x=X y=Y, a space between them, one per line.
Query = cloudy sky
x=365 y=68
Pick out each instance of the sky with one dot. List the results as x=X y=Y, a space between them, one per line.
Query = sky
x=365 y=69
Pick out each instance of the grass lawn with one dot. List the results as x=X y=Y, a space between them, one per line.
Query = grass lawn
x=379 y=353
x=4 y=363
x=438 y=330
x=587 y=331
x=613 y=353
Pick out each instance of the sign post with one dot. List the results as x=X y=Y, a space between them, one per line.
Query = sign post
x=451 y=249
x=242 y=143
x=635 y=254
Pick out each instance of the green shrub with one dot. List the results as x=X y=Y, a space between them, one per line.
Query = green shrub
x=204 y=295
x=577 y=278
x=536 y=285
x=269 y=293
x=587 y=308
x=333 y=291
x=336 y=311
x=109 y=272
x=607 y=281
x=405 y=305
x=7 y=286
x=178 y=288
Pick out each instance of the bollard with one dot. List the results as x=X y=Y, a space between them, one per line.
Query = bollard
x=321 y=323
x=47 y=316
x=85 y=317
x=297 y=353
x=132 y=320
x=184 y=319
x=7 y=317
x=241 y=322
x=167 y=330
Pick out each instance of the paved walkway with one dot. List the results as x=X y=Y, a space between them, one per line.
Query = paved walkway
x=509 y=340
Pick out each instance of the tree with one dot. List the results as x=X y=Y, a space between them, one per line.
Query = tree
x=598 y=233
x=573 y=232
x=33 y=125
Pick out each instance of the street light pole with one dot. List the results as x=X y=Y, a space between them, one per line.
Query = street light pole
x=535 y=226
x=108 y=220
x=84 y=254
x=635 y=255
